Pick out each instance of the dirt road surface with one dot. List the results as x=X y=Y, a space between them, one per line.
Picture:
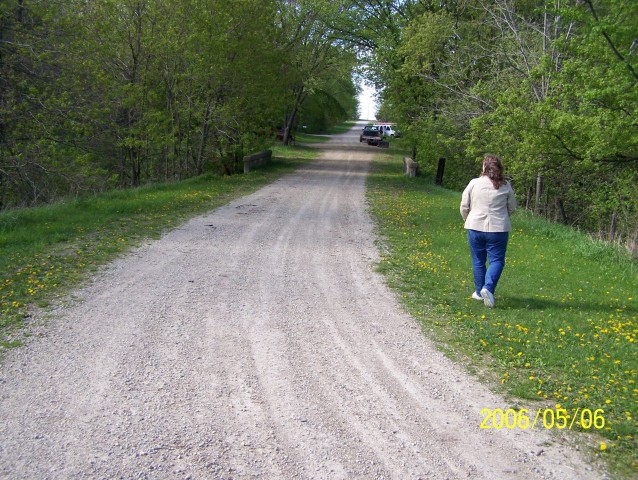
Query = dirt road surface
x=256 y=342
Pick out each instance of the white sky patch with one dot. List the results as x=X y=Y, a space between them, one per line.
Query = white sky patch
x=367 y=103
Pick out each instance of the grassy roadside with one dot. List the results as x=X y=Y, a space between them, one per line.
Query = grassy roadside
x=308 y=138
x=45 y=251
x=563 y=335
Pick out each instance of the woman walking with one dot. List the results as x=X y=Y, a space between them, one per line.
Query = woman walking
x=486 y=205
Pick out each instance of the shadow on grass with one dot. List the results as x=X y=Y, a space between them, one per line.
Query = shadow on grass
x=541 y=304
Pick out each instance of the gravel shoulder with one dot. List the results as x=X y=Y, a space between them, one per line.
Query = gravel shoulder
x=257 y=341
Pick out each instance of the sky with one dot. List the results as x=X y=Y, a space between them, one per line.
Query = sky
x=367 y=105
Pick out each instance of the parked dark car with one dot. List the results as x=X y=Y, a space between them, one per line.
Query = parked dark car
x=371 y=134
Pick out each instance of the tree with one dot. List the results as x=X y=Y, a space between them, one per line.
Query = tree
x=332 y=103
x=313 y=56
x=549 y=86
x=118 y=93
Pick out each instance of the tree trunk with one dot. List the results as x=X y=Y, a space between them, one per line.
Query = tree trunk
x=561 y=210
x=439 y=172
x=613 y=227
x=199 y=164
x=539 y=190
x=290 y=118
x=136 y=172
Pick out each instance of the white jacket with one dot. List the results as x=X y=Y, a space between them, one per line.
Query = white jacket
x=486 y=209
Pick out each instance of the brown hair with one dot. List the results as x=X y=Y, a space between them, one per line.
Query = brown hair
x=493 y=169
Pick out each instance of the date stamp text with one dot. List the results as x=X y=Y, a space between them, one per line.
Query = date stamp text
x=547 y=418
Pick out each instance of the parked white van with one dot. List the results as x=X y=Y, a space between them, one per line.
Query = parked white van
x=387 y=129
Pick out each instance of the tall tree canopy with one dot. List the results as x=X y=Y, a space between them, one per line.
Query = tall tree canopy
x=96 y=95
x=549 y=85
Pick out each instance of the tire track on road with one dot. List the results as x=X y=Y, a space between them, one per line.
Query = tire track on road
x=257 y=341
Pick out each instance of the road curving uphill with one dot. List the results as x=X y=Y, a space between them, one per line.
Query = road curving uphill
x=257 y=341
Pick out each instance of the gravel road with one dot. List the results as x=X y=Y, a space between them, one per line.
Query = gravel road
x=257 y=341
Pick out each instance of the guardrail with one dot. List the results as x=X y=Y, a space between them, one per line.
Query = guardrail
x=256 y=160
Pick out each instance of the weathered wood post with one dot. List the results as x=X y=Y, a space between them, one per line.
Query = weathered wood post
x=410 y=167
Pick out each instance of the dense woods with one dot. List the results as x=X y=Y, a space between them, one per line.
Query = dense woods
x=549 y=85
x=118 y=93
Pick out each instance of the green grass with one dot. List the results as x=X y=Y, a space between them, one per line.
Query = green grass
x=565 y=325
x=309 y=138
x=301 y=137
x=341 y=128
x=45 y=251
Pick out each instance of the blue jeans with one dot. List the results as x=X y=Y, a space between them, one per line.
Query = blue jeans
x=491 y=247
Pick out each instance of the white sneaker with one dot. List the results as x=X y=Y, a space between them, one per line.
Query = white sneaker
x=488 y=298
x=476 y=296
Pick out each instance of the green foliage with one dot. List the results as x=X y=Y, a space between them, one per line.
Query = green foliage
x=118 y=93
x=333 y=104
x=316 y=70
x=550 y=88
